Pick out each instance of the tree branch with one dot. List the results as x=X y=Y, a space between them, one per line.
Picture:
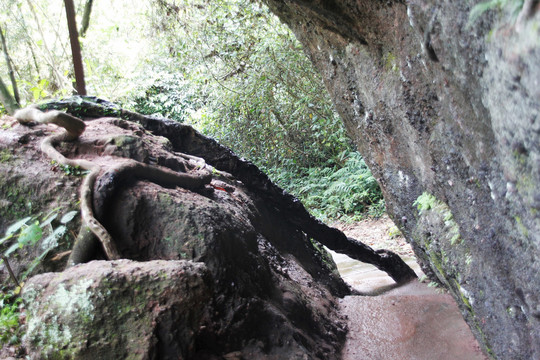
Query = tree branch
x=7 y=99
x=75 y=48
x=86 y=17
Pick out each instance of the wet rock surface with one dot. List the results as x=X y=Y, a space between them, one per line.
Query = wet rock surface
x=266 y=301
x=446 y=114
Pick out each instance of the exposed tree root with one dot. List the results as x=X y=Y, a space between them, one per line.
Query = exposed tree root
x=84 y=248
x=186 y=140
x=74 y=126
x=87 y=215
x=127 y=168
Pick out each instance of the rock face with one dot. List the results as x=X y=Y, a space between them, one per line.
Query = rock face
x=85 y=313
x=446 y=114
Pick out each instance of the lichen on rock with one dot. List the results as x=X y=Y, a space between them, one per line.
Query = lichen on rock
x=84 y=312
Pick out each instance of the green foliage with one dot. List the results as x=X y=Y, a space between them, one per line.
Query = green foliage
x=170 y=96
x=38 y=47
x=5 y=156
x=28 y=231
x=394 y=232
x=68 y=169
x=345 y=192
x=390 y=62
x=242 y=78
x=513 y=6
x=115 y=51
x=10 y=332
x=23 y=233
x=425 y=202
x=38 y=90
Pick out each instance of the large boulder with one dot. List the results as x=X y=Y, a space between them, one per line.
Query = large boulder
x=117 y=310
x=210 y=271
x=446 y=112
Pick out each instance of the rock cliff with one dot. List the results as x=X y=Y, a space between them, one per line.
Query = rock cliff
x=445 y=109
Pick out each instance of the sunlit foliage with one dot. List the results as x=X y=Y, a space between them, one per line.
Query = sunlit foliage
x=228 y=67
x=243 y=78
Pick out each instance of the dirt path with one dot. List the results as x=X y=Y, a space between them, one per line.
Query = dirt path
x=378 y=233
x=411 y=322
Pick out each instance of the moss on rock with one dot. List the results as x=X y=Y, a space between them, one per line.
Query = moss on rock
x=115 y=309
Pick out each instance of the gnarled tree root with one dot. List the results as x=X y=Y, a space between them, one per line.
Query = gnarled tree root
x=74 y=127
x=84 y=249
x=186 y=140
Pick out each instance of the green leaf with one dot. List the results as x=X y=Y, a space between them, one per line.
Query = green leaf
x=5 y=238
x=12 y=248
x=48 y=220
x=35 y=263
x=17 y=226
x=51 y=241
x=69 y=216
x=30 y=235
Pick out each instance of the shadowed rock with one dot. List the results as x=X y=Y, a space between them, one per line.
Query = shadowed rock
x=447 y=115
x=265 y=289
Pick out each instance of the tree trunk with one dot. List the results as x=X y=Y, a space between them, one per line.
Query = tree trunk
x=7 y=99
x=10 y=68
x=86 y=17
x=75 y=48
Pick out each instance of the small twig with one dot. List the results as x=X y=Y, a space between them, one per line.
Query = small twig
x=11 y=274
x=61 y=255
